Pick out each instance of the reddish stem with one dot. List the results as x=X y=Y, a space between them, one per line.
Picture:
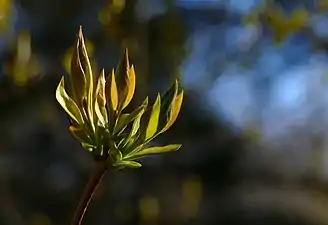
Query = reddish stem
x=88 y=193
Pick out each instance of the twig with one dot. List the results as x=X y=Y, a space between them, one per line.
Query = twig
x=88 y=193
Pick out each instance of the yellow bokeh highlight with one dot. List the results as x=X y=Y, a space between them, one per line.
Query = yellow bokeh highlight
x=39 y=219
x=24 y=65
x=149 y=208
x=192 y=192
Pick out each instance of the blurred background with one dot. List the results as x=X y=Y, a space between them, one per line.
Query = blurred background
x=253 y=123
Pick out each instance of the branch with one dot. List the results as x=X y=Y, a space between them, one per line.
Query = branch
x=88 y=193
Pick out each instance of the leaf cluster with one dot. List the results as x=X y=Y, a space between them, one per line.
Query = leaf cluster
x=96 y=109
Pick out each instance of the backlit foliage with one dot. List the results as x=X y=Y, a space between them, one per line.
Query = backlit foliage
x=95 y=106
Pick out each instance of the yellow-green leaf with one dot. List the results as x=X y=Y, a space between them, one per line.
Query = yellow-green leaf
x=122 y=122
x=77 y=77
x=176 y=106
x=100 y=104
x=122 y=78
x=154 y=150
x=111 y=92
x=153 y=120
x=127 y=118
x=79 y=134
x=86 y=66
x=136 y=124
x=88 y=147
x=131 y=84
x=166 y=105
x=67 y=103
x=131 y=164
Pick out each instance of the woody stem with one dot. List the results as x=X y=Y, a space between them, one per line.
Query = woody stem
x=89 y=192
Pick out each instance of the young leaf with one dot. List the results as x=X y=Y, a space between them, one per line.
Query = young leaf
x=117 y=155
x=166 y=105
x=111 y=92
x=67 y=103
x=127 y=118
x=175 y=109
x=131 y=164
x=131 y=137
x=88 y=147
x=131 y=84
x=122 y=74
x=77 y=77
x=86 y=66
x=154 y=150
x=136 y=124
x=153 y=120
x=80 y=134
x=100 y=104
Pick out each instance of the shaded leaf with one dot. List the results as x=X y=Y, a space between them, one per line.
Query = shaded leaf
x=80 y=134
x=67 y=103
x=88 y=147
x=117 y=155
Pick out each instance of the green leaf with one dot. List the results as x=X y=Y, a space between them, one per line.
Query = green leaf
x=122 y=122
x=117 y=154
x=135 y=125
x=153 y=120
x=131 y=164
x=86 y=66
x=133 y=134
x=166 y=105
x=122 y=77
x=175 y=110
x=67 y=103
x=127 y=118
x=154 y=150
x=131 y=84
x=77 y=77
x=88 y=147
x=80 y=134
x=100 y=104
x=111 y=92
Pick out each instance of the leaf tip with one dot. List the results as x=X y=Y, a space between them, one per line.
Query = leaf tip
x=80 y=32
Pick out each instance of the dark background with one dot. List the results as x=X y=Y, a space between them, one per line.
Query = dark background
x=253 y=123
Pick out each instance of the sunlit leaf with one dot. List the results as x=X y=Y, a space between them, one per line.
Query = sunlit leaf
x=126 y=118
x=86 y=66
x=131 y=83
x=122 y=78
x=100 y=105
x=166 y=106
x=67 y=103
x=131 y=164
x=154 y=118
x=154 y=150
x=176 y=106
x=77 y=76
x=111 y=92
